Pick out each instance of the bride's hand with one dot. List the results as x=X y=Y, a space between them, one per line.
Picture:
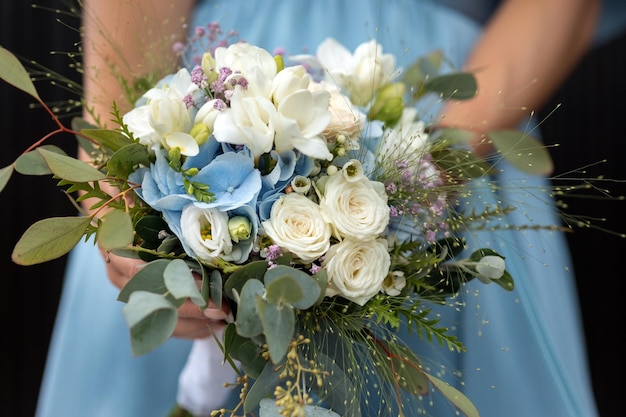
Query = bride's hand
x=193 y=323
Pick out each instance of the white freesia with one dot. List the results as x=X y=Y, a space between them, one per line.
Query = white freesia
x=360 y=74
x=288 y=81
x=255 y=64
x=356 y=207
x=356 y=269
x=208 y=113
x=296 y=225
x=176 y=87
x=171 y=120
x=205 y=232
x=302 y=117
x=250 y=121
x=490 y=267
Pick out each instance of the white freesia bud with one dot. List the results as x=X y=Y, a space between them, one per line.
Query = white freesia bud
x=170 y=119
x=239 y=228
x=356 y=269
x=208 y=113
x=209 y=68
x=205 y=231
x=491 y=267
x=356 y=209
x=296 y=225
x=288 y=81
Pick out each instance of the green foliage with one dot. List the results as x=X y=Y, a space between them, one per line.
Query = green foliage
x=14 y=73
x=33 y=163
x=70 y=169
x=49 y=239
x=523 y=151
x=116 y=230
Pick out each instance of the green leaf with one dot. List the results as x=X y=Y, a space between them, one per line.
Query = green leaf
x=49 y=239
x=421 y=70
x=70 y=169
x=263 y=387
x=32 y=163
x=14 y=73
x=236 y=281
x=243 y=350
x=151 y=319
x=148 y=278
x=181 y=283
x=150 y=227
x=505 y=281
x=248 y=321
x=111 y=139
x=456 y=397
x=5 y=176
x=279 y=323
x=309 y=289
x=124 y=161
x=455 y=86
x=523 y=151
x=284 y=289
x=116 y=230
x=321 y=277
x=214 y=287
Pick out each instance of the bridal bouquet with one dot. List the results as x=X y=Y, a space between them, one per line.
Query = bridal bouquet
x=306 y=191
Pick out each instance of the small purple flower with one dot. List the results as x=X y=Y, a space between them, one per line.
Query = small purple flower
x=273 y=252
x=314 y=269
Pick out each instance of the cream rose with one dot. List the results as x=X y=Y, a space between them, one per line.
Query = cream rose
x=355 y=206
x=345 y=118
x=356 y=269
x=296 y=224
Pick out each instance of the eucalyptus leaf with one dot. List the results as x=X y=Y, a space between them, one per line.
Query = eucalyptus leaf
x=236 y=280
x=244 y=350
x=321 y=277
x=456 y=397
x=124 y=161
x=248 y=321
x=14 y=73
x=116 y=230
x=283 y=290
x=214 y=287
x=49 y=239
x=32 y=163
x=151 y=319
x=148 y=278
x=279 y=323
x=455 y=86
x=181 y=283
x=523 y=151
x=5 y=176
x=309 y=288
x=110 y=139
x=421 y=70
x=70 y=169
x=262 y=388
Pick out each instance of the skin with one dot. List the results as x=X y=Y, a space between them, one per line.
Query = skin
x=535 y=43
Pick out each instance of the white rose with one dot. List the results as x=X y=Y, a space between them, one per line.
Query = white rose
x=297 y=225
x=205 y=232
x=355 y=206
x=356 y=269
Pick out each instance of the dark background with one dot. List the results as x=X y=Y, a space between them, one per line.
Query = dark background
x=587 y=125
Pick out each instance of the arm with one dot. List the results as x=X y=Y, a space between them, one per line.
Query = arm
x=536 y=44
x=134 y=38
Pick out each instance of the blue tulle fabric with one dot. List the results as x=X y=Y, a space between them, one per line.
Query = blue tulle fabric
x=526 y=352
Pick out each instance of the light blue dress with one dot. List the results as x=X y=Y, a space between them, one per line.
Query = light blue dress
x=526 y=352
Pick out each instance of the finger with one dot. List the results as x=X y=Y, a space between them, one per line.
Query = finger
x=188 y=328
